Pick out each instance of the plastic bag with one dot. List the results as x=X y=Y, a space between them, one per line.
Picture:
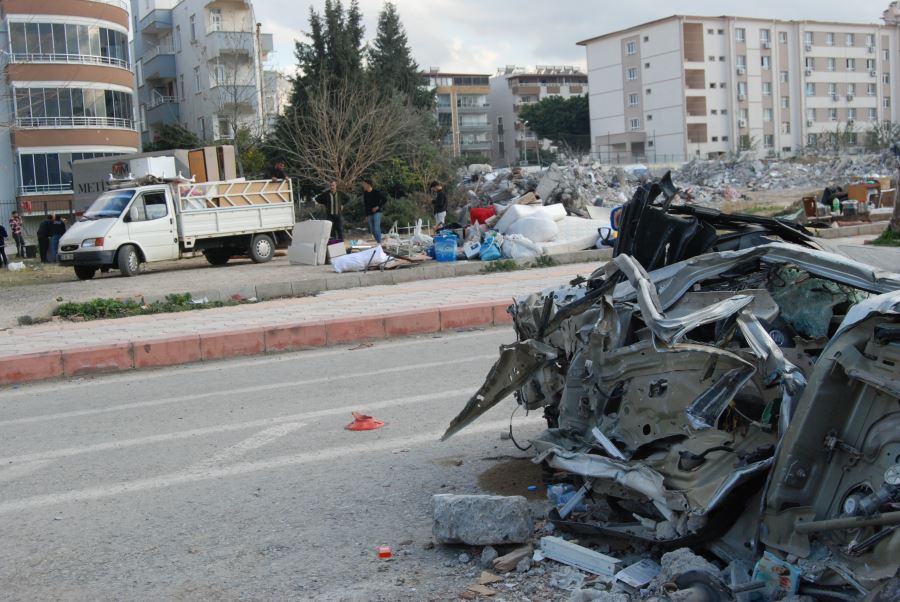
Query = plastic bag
x=16 y=266
x=423 y=240
x=472 y=245
x=490 y=248
x=357 y=262
x=516 y=246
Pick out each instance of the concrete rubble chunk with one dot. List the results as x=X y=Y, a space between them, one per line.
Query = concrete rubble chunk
x=488 y=555
x=595 y=595
x=480 y=520
x=681 y=561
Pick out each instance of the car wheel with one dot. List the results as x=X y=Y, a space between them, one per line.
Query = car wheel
x=129 y=262
x=85 y=272
x=262 y=248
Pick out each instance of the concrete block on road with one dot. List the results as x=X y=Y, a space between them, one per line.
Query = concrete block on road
x=352 y=330
x=293 y=337
x=274 y=290
x=481 y=520
x=232 y=344
x=467 y=316
x=101 y=358
x=167 y=352
x=412 y=322
x=30 y=366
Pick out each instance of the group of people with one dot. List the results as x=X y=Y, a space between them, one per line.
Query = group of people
x=48 y=235
x=374 y=201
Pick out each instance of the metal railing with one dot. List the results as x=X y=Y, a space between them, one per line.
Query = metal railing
x=156 y=51
x=91 y=59
x=161 y=100
x=46 y=188
x=75 y=122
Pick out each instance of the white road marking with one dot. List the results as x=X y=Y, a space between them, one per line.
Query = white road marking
x=358 y=452
x=233 y=452
x=239 y=391
x=239 y=426
x=200 y=368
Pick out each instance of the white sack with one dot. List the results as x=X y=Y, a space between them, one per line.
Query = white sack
x=516 y=246
x=536 y=228
x=357 y=262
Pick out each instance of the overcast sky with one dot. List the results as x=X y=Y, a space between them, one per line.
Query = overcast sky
x=478 y=36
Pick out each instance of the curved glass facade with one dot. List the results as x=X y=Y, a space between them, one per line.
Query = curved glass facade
x=73 y=107
x=62 y=42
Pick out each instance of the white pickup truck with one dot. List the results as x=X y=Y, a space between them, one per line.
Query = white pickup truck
x=133 y=224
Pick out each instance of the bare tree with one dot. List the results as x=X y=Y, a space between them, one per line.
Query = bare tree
x=344 y=131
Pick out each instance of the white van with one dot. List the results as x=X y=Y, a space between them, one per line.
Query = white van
x=131 y=225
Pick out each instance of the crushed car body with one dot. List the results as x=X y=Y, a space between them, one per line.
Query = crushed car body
x=742 y=400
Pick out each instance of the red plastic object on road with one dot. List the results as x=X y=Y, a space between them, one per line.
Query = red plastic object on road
x=361 y=422
x=385 y=551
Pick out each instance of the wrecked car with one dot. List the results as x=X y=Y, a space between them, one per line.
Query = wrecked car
x=743 y=400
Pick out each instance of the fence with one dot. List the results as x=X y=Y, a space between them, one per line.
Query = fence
x=39 y=210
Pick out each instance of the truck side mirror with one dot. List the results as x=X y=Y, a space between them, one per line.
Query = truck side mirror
x=133 y=214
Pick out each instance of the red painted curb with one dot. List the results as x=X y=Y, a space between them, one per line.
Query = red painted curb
x=173 y=351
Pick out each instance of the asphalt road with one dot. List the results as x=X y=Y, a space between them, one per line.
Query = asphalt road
x=237 y=481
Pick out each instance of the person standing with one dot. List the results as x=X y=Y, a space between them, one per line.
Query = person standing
x=373 y=201
x=4 y=262
x=439 y=204
x=333 y=203
x=16 y=230
x=43 y=236
x=57 y=229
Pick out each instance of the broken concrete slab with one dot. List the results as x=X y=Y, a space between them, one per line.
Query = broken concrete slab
x=480 y=520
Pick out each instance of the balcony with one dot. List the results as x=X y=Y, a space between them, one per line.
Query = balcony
x=78 y=59
x=163 y=110
x=74 y=122
x=159 y=63
x=222 y=43
x=60 y=188
x=230 y=96
x=156 y=21
x=474 y=146
x=526 y=90
x=475 y=127
x=473 y=109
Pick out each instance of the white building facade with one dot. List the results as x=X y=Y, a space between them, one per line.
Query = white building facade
x=514 y=87
x=200 y=63
x=687 y=86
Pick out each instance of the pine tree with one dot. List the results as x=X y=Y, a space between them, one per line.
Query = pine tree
x=390 y=60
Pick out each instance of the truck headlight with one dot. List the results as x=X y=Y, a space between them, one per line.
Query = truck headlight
x=92 y=242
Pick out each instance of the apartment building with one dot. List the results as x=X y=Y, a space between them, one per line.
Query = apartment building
x=199 y=63
x=462 y=110
x=514 y=87
x=686 y=86
x=69 y=95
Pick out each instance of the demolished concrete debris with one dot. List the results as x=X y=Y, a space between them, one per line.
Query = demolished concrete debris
x=480 y=520
x=739 y=428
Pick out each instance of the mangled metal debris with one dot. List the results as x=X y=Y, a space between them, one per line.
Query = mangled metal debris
x=744 y=400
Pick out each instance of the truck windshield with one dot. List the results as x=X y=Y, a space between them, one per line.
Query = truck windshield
x=109 y=204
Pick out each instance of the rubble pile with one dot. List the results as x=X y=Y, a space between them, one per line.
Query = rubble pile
x=712 y=180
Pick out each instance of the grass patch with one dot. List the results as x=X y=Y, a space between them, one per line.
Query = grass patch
x=500 y=265
x=544 y=261
x=104 y=309
x=888 y=238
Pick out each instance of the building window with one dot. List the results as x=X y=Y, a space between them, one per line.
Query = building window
x=631 y=74
x=886 y=103
x=721 y=59
x=742 y=90
x=767 y=88
x=808 y=38
x=478 y=101
x=885 y=55
x=829 y=39
x=201 y=126
x=724 y=111
x=714 y=139
x=724 y=138
x=851 y=89
x=631 y=48
x=784 y=77
x=785 y=127
x=744 y=114
x=850 y=39
x=649 y=117
x=832 y=89
x=632 y=100
x=50 y=172
x=710 y=31
x=812 y=139
x=810 y=63
x=635 y=125
x=178 y=38
x=712 y=85
x=72 y=107
x=810 y=89
x=785 y=102
x=181 y=86
x=70 y=43
x=870 y=39
x=810 y=114
x=215 y=19
x=782 y=37
x=741 y=61
x=832 y=114
x=196 y=80
x=143 y=118
x=765 y=61
x=646 y=65
x=740 y=35
x=712 y=59
x=851 y=113
x=769 y=141
x=871 y=89
x=870 y=64
x=646 y=38
x=224 y=125
x=765 y=36
x=647 y=92
x=714 y=112
x=851 y=64
x=885 y=78
x=193 y=26
x=873 y=114
x=831 y=65
x=721 y=32
x=768 y=114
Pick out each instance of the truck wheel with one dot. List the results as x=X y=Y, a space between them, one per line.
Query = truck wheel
x=262 y=248
x=85 y=272
x=217 y=256
x=129 y=262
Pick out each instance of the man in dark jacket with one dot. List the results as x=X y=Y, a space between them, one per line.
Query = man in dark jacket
x=43 y=236
x=333 y=202
x=57 y=229
x=4 y=262
x=439 y=204
x=373 y=201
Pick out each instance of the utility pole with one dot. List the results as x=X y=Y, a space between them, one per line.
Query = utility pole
x=262 y=79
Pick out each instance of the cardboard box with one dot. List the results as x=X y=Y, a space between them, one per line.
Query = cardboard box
x=335 y=250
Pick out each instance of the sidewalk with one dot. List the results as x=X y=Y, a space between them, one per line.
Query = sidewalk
x=331 y=317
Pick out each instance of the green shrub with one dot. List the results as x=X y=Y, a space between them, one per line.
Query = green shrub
x=888 y=238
